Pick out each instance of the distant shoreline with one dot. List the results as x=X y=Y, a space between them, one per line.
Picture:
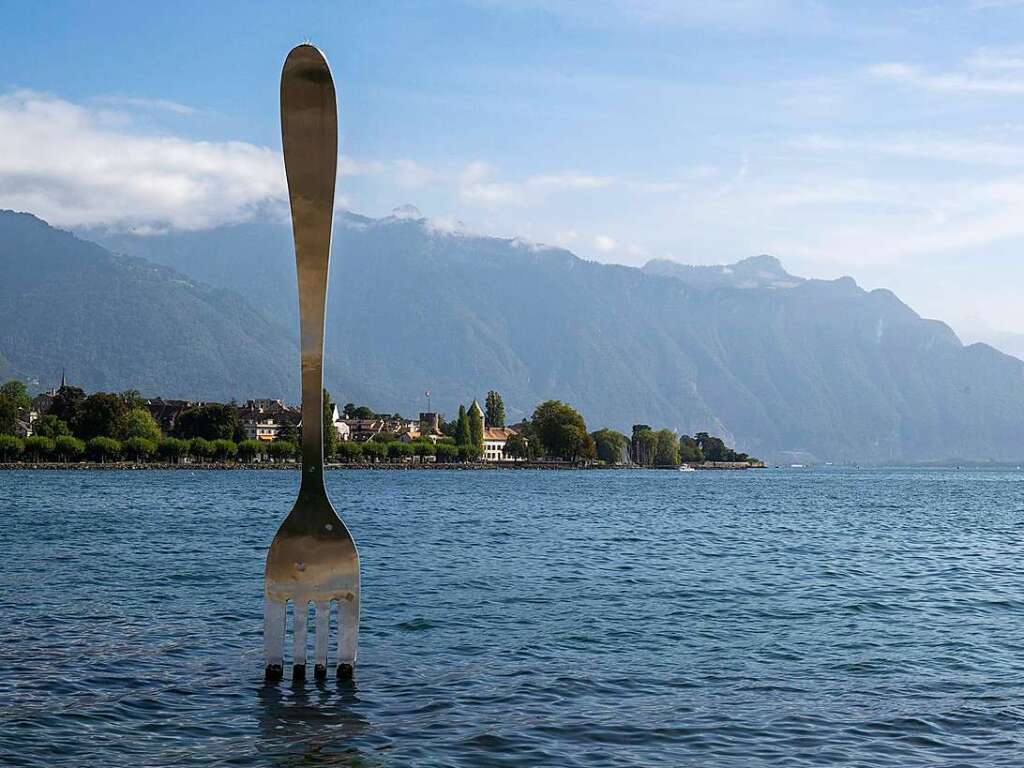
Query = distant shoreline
x=463 y=467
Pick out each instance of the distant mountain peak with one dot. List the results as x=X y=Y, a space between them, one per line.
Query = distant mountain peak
x=762 y=271
x=407 y=211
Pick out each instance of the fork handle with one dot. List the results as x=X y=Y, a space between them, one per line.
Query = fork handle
x=309 y=134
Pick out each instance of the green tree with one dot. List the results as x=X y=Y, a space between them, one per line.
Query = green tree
x=494 y=410
x=330 y=433
x=666 y=448
x=132 y=399
x=139 y=422
x=374 y=452
x=139 y=448
x=351 y=411
x=13 y=399
x=49 y=425
x=384 y=437
x=642 y=445
x=66 y=404
x=282 y=450
x=561 y=430
x=214 y=421
x=463 y=435
x=200 y=448
x=68 y=448
x=8 y=416
x=446 y=452
x=476 y=428
x=224 y=449
x=38 y=448
x=516 y=447
x=423 y=448
x=248 y=450
x=689 y=450
x=11 y=447
x=349 y=451
x=469 y=452
x=102 y=448
x=172 y=449
x=16 y=392
x=713 y=448
x=399 y=451
x=101 y=414
x=288 y=433
x=611 y=446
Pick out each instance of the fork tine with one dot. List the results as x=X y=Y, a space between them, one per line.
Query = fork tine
x=348 y=634
x=273 y=636
x=300 y=613
x=323 y=638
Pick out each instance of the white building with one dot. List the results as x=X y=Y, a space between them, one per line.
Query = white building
x=494 y=442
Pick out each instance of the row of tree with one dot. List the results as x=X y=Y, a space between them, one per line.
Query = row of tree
x=121 y=416
x=649 y=448
x=67 y=448
x=106 y=425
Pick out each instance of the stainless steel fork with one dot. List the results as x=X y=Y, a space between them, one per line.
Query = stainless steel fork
x=313 y=557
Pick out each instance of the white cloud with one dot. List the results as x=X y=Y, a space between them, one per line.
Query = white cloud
x=411 y=175
x=1011 y=57
x=984 y=5
x=924 y=147
x=77 y=165
x=952 y=82
x=605 y=244
x=478 y=186
x=74 y=166
x=735 y=14
x=570 y=181
x=348 y=166
x=130 y=102
x=475 y=188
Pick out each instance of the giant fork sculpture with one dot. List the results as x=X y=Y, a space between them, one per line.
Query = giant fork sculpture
x=313 y=558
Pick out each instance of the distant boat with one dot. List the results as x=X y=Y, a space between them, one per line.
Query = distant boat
x=796 y=466
x=687 y=468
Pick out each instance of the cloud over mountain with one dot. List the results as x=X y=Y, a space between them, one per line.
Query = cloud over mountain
x=78 y=165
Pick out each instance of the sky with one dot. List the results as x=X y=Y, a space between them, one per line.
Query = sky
x=880 y=140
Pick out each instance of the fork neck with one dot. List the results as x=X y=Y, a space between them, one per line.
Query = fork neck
x=312 y=306
x=312 y=426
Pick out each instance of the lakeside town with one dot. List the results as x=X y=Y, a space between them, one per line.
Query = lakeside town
x=65 y=426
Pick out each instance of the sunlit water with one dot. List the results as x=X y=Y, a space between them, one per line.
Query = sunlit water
x=792 y=617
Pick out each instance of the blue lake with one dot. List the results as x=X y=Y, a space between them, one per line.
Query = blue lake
x=521 y=618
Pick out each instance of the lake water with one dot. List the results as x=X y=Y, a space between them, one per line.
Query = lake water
x=520 y=618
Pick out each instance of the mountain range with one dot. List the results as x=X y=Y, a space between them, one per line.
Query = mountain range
x=783 y=367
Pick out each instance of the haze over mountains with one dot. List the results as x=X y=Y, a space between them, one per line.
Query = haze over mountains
x=783 y=367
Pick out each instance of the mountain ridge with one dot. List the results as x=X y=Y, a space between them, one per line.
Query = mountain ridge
x=118 y=321
x=781 y=366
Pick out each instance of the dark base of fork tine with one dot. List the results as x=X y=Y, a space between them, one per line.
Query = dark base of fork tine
x=298 y=672
x=320 y=672
x=274 y=673
x=345 y=671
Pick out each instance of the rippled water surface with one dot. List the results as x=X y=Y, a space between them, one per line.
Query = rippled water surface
x=779 y=617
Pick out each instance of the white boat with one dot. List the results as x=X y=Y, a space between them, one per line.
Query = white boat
x=687 y=468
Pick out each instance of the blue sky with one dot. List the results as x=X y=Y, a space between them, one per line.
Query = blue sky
x=877 y=139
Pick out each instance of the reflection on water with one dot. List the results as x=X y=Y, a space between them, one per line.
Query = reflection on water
x=830 y=617
x=311 y=723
